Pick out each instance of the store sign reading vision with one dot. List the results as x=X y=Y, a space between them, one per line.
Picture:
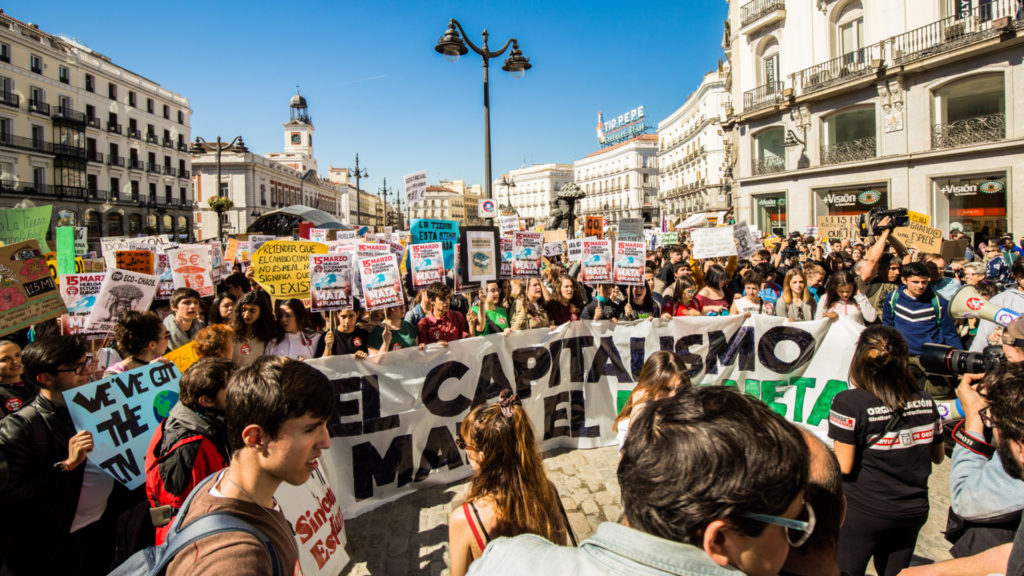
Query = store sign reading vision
x=989 y=187
x=867 y=197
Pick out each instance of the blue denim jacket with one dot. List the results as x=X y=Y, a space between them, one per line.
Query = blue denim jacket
x=979 y=488
x=615 y=550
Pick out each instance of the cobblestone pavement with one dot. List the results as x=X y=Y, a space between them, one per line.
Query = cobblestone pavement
x=410 y=536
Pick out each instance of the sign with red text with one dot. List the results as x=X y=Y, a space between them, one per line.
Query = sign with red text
x=528 y=248
x=597 y=261
x=629 y=263
x=330 y=277
x=80 y=292
x=382 y=284
x=190 y=268
x=427 y=262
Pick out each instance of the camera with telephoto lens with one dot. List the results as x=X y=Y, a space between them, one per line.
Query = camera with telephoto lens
x=869 y=223
x=941 y=359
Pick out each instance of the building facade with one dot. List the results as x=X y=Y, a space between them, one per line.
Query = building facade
x=102 y=144
x=259 y=184
x=621 y=181
x=367 y=205
x=440 y=203
x=528 y=191
x=692 y=162
x=842 y=106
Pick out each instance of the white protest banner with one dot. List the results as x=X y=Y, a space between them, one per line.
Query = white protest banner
x=318 y=235
x=629 y=263
x=552 y=249
x=190 y=268
x=528 y=250
x=122 y=412
x=746 y=245
x=382 y=283
x=315 y=514
x=415 y=187
x=597 y=261
x=575 y=248
x=81 y=291
x=402 y=412
x=508 y=224
x=713 y=242
x=330 y=281
x=81 y=240
x=122 y=290
x=810 y=230
x=507 y=246
x=631 y=229
x=427 y=261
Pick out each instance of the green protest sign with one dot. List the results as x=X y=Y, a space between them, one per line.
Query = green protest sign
x=20 y=224
x=65 y=250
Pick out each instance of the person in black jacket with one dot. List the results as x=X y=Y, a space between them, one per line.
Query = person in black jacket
x=45 y=528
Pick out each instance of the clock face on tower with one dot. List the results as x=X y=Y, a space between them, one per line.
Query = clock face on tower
x=296 y=138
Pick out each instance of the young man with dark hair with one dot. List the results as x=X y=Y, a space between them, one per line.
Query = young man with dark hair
x=277 y=412
x=679 y=518
x=441 y=324
x=191 y=443
x=236 y=284
x=666 y=275
x=184 y=323
x=56 y=518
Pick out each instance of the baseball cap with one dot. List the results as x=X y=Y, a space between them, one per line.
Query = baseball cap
x=1013 y=335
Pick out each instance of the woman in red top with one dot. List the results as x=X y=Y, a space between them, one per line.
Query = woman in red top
x=714 y=299
x=509 y=494
x=682 y=299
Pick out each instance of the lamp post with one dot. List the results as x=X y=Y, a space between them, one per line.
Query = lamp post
x=358 y=174
x=451 y=45
x=508 y=183
x=384 y=192
x=201 y=146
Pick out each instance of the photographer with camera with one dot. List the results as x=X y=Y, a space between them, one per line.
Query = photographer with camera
x=1012 y=297
x=880 y=269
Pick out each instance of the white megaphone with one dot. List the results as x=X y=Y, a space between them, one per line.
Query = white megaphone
x=967 y=303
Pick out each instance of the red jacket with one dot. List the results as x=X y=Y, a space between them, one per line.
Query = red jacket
x=450 y=328
x=185 y=449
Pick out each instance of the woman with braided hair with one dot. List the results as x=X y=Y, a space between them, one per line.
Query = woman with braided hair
x=887 y=434
x=509 y=494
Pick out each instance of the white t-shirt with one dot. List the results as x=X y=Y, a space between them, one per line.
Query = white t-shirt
x=92 y=502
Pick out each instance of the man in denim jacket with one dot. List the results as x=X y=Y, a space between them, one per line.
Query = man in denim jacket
x=692 y=505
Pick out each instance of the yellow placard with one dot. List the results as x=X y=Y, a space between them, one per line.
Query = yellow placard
x=919 y=234
x=183 y=357
x=281 y=267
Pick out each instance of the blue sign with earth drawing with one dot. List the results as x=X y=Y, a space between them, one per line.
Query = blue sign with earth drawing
x=122 y=412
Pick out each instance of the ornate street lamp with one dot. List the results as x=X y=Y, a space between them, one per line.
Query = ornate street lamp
x=201 y=146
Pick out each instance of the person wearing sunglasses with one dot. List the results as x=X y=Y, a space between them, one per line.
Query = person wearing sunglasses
x=887 y=435
x=679 y=517
x=54 y=501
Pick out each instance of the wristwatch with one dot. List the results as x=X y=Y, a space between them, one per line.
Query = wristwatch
x=61 y=466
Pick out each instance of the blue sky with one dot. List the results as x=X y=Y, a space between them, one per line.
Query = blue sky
x=376 y=86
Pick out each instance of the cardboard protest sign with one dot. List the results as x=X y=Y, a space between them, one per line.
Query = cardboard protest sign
x=597 y=261
x=840 y=227
x=746 y=245
x=81 y=291
x=954 y=248
x=479 y=245
x=382 y=284
x=555 y=236
x=20 y=224
x=65 y=250
x=281 y=267
x=318 y=235
x=231 y=251
x=713 y=242
x=528 y=248
x=314 y=511
x=183 y=356
x=919 y=234
x=575 y=249
x=415 y=187
x=140 y=261
x=122 y=412
x=629 y=263
x=509 y=224
x=330 y=277
x=593 y=227
x=122 y=290
x=669 y=238
x=28 y=294
x=444 y=231
x=165 y=282
x=190 y=268
x=81 y=240
x=427 y=263
x=507 y=246
x=631 y=229
x=552 y=249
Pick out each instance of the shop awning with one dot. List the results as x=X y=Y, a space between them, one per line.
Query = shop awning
x=702 y=219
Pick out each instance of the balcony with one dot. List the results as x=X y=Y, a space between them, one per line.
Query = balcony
x=182 y=147
x=762 y=96
x=8 y=98
x=769 y=165
x=184 y=174
x=113 y=127
x=154 y=168
x=170 y=170
x=68 y=114
x=136 y=164
x=115 y=160
x=134 y=134
x=168 y=143
x=152 y=138
x=28 y=144
x=94 y=156
x=751 y=12
x=68 y=150
x=849 y=151
x=38 y=107
x=850 y=66
x=969 y=131
x=93 y=122
x=989 y=20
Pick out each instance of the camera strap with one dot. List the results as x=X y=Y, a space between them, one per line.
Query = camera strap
x=976 y=445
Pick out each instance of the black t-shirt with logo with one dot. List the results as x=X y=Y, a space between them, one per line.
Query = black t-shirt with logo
x=890 y=477
x=344 y=343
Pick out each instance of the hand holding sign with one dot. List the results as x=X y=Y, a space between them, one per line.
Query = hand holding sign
x=78 y=447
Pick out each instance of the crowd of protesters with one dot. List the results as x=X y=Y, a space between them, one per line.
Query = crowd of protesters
x=868 y=494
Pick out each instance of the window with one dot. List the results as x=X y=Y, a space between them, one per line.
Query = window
x=5 y=129
x=849 y=29
x=167 y=112
x=5 y=53
x=38 y=140
x=65 y=104
x=770 y=152
x=39 y=177
x=112 y=91
x=849 y=136
x=969 y=111
x=131 y=98
x=115 y=222
x=64 y=74
x=149 y=105
x=115 y=190
x=768 y=69
x=90 y=83
x=35 y=63
x=181 y=117
x=135 y=192
x=90 y=111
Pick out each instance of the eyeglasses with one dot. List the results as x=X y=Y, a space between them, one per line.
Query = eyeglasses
x=797 y=531
x=986 y=417
x=79 y=368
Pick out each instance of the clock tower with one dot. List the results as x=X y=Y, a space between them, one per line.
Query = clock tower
x=298 y=136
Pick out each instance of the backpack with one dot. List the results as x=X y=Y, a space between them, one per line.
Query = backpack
x=153 y=561
x=895 y=295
